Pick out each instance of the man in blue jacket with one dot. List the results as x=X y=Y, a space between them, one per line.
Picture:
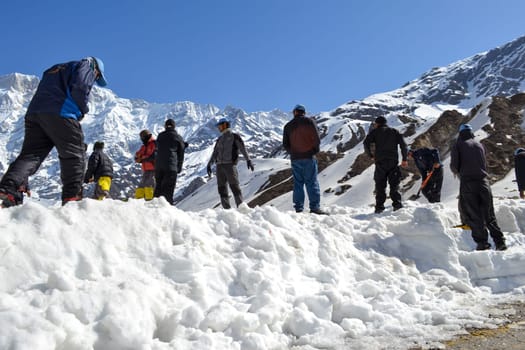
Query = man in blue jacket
x=467 y=159
x=53 y=120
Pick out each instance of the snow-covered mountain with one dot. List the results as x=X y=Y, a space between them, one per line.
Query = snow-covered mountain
x=118 y=122
x=420 y=109
x=483 y=90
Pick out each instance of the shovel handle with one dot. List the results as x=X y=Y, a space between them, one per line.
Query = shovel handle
x=426 y=179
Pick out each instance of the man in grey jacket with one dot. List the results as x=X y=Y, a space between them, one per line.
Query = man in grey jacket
x=225 y=155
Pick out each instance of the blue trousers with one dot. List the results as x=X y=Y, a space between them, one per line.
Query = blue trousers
x=305 y=174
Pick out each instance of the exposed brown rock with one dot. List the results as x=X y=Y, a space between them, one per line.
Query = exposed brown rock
x=505 y=134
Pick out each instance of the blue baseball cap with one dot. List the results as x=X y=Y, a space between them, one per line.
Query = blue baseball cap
x=465 y=127
x=101 y=81
x=222 y=121
x=300 y=108
x=518 y=151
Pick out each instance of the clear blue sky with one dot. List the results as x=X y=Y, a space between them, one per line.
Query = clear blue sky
x=255 y=54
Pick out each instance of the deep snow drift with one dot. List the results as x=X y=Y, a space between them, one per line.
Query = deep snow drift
x=145 y=275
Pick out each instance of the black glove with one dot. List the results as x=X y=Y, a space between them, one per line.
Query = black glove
x=208 y=169
x=249 y=164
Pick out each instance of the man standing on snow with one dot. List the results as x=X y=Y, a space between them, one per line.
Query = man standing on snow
x=386 y=158
x=53 y=120
x=100 y=170
x=427 y=160
x=146 y=157
x=519 y=168
x=301 y=140
x=170 y=156
x=467 y=159
x=225 y=155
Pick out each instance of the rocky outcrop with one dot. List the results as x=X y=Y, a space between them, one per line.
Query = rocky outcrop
x=505 y=134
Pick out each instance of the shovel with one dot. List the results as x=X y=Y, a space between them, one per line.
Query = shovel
x=423 y=184
x=462 y=226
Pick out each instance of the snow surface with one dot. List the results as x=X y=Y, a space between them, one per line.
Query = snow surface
x=146 y=275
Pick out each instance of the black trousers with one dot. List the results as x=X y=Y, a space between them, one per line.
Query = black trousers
x=432 y=191
x=165 y=181
x=387 y=171
x=42 y=133
x=477 y=210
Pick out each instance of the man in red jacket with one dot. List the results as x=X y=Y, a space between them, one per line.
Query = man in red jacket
x=146 y=157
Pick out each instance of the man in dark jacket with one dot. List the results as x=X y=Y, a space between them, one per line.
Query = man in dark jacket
x=170 y=156
x=519 y=168
x=53 y=120
x=386 y=140
x=100 y=170
x=226 y=155
x=301 y=140
x=427 y=160
x=467 y=159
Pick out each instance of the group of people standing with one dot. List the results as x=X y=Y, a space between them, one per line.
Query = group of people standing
x=468 y=161
x=61 y=102
x=161 y=161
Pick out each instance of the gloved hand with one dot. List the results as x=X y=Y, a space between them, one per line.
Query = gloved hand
x=208 y=169
x=249 y=164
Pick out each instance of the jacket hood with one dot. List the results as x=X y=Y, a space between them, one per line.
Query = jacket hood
x=466 y=135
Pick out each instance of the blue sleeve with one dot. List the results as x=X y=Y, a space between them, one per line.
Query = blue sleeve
x=80 y=84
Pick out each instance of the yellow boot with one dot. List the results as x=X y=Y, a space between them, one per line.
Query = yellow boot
x=148 y=193
x=139 y=193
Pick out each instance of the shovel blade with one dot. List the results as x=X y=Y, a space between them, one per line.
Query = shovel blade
x=414 y=197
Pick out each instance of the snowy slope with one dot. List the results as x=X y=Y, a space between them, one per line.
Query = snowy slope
x=146 y=275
